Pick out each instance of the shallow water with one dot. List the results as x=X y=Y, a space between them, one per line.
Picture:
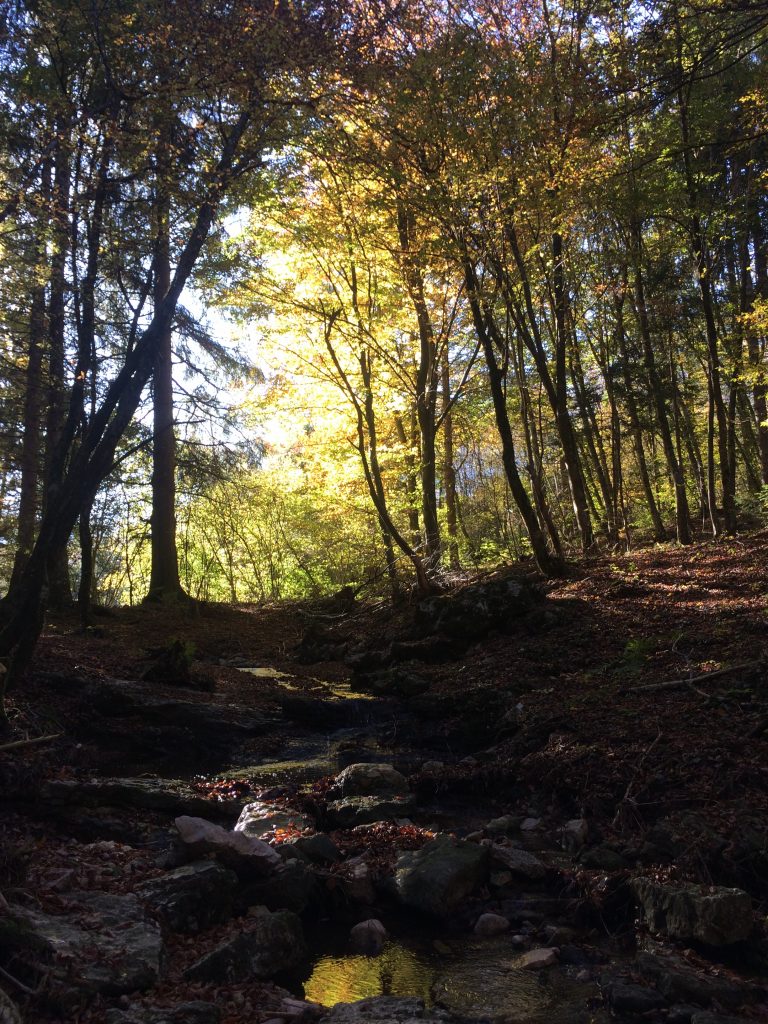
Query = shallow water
x=397 y=971
x=472 y=978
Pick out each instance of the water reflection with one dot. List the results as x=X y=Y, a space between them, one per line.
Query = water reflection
x=397 y=971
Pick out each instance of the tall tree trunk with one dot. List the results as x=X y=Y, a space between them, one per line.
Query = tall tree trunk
x=88 y=464
x=703 y=275
x=533 y=451
x=164 y=584
x=449 y=471
x=548 y=563
x=755 y=344
x=85 y=588
x=556 y=389
x=682 y=515
x=565 y=427
x=659 y=532
x=29 y=497
x=427 y=372
x=406 y=439
x=59 y=585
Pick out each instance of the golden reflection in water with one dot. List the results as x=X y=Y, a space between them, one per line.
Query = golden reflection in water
x=395 y=972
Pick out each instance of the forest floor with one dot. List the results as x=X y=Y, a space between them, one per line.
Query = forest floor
x=635 y=697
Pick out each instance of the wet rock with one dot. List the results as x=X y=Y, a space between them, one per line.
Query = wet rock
x=273 y=942
x=716 y=916
x=491 y=924
x=195 y=1012
x=191 y=898
x=318 y=849
x=370 y=780
x=108 y=943
x=519 y=862
x=248 y=857
x=530 y=824
x=259 y=819
x=293 y=886
x=383 y=1010
x=680 y=983
x=358 y=882
x=474 y=611
x=575 y=834
x=368 y=937
x=433 y=767
x=438 y=877
x=537 y=959
x=363 y=810
x=624 y=997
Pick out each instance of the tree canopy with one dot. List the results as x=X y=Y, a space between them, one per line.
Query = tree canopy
x=409 y=287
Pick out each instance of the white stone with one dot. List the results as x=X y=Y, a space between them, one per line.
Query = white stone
x=235 y=849
x=537 y=959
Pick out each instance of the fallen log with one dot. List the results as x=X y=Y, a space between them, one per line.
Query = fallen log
x=678 y=684
x=35 y=741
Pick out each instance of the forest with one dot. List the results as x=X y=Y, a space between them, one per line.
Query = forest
x=384 y=479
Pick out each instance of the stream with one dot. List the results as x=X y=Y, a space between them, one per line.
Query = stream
x=471 y=977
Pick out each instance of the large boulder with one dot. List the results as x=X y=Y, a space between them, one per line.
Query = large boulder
x=439 y=876
x=193 y=897
x=679 y=982
x=351 y=811
x=475 y=610
x=271 y=943
x=259 y=819
x=715 y=915
x=104 y=944
x=370 y=780
x=248 y=857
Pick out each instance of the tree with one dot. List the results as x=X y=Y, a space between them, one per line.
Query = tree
x=238 y=80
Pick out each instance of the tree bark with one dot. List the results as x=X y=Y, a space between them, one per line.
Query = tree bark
x=164 y=584
x=29 y=497
x=682 y=515
x=548 y=563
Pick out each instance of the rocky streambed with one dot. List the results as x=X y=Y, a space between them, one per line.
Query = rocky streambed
x=366 y=872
